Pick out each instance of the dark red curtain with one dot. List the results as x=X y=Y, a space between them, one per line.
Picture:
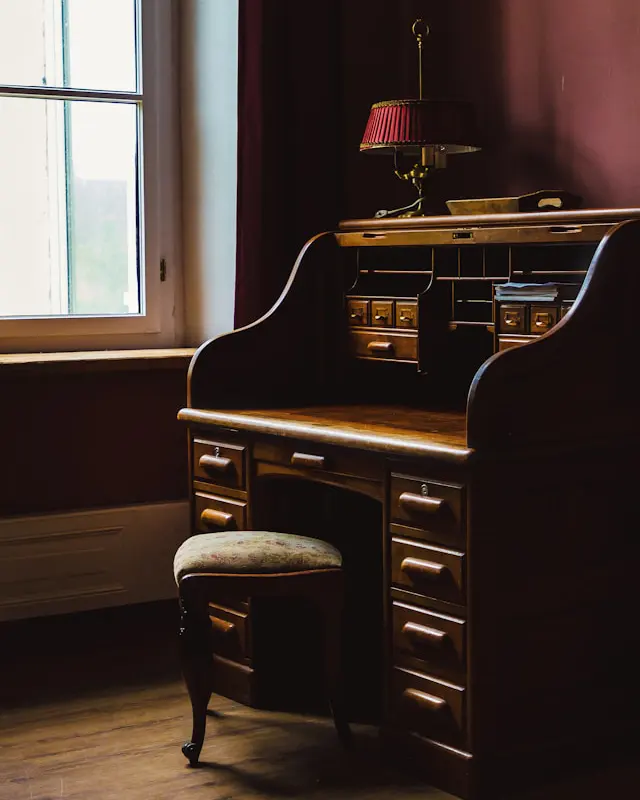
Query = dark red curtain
x=308 y=74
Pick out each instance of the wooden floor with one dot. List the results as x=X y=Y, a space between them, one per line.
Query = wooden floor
x=92 y=708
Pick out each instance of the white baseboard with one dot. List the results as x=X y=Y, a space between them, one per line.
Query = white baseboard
x=59 y=563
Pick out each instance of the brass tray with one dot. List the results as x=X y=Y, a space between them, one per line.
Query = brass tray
x=543 y=200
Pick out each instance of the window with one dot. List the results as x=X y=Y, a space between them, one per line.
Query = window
x=87 y=174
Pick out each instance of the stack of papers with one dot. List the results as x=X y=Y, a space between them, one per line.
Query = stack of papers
x=539 y=292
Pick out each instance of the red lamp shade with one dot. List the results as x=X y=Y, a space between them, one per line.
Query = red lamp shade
x=409 y=125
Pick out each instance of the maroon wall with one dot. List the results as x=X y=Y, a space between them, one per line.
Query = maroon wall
x=557 y=86
x=91 y=439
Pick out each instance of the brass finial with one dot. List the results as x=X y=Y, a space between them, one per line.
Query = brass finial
x=420 y=30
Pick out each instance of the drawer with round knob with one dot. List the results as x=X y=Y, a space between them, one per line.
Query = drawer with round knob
x=438 y=640
x=431 y=506
x=428 y=570
x=213 y=513
x=385 y=345
x=219 y=462
x=429 y=706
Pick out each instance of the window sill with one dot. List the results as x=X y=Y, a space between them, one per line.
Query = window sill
x=97 y=360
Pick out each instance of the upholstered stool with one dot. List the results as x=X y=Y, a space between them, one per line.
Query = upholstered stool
x=251 y=564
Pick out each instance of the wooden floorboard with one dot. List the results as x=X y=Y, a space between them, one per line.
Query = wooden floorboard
x=92 y=707
x=126 y=745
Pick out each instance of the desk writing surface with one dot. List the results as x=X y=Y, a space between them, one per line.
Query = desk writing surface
x=389 y=428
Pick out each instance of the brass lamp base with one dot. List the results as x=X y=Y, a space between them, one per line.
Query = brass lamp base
x=417 y=176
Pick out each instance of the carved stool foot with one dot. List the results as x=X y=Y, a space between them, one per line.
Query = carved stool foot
x=191 y=751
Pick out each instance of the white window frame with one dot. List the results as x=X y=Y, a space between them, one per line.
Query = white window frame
x=159 y=323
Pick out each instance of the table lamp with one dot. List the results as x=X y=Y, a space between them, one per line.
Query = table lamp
x=430 y=129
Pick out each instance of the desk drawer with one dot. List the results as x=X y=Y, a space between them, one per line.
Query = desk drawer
x=406 y=314
x=428 y=570
x=230 y=633
x=437 y=639
x=542 y=318
x=384 y=345
x=433 y=507
x=512 y=318
x=429 y=706
x=213 y=513
x=218 y=462
x=321 y=458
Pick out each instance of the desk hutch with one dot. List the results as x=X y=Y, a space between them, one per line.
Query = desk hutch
x=473 y=454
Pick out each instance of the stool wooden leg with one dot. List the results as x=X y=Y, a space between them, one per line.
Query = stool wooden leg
x=196 y=656
x=331 y=607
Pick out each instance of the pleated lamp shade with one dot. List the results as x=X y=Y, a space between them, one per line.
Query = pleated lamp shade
x=409 y=125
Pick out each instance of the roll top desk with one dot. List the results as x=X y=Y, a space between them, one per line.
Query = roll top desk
x=463 y=390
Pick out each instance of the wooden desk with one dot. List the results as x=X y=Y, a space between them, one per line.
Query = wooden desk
x=495 y=541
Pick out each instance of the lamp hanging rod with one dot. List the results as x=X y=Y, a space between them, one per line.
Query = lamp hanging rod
x=420 y=30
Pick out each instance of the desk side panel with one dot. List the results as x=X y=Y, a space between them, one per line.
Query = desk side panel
x=576 y=382
x=553 y=634
x=291 y=352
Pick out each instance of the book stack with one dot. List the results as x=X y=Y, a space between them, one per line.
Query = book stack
x=530 y=292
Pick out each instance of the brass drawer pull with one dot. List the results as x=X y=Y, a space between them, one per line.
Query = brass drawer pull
x=308 y=460
x=355 y=315
x=211 y=516
x=405 y=319
x=217 y=463
x=381 y=316
x=420 y=633
x=512 y=319
x=429 y=701
x=422 y=503
x=380 y=347
x=543 y=320
x=422 y=569
x=221 y=626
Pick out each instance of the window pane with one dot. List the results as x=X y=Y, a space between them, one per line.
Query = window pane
x=99 y=43
x=31 y=42
x=68 y=208
x=103 y=248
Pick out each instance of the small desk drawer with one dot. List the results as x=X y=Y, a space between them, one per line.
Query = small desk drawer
x=230 y=632
x=428 y=570
x=382 y=313
x=218 y=462
x=384 y=345
x=437 y=639
x=358 y=312
x=213 y=513
x=319 y=458
x=429 y=706
x=431 y=506
x=513 y=318
x=406 y=314
x=542 y=318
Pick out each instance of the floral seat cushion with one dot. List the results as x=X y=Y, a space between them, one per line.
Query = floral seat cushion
x=238 y=552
